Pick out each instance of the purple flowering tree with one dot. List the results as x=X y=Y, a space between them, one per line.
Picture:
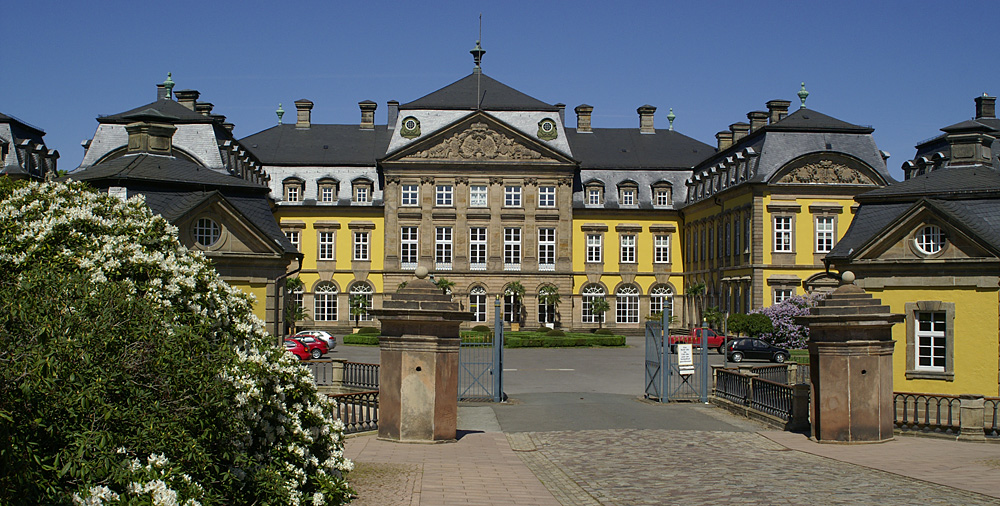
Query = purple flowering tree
x=786 y=333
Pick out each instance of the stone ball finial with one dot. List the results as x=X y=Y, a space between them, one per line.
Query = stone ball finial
x=420 y=272
x=847 y=277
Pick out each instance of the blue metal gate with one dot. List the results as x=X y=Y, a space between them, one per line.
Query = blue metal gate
x=480 y=363
x=665 y=379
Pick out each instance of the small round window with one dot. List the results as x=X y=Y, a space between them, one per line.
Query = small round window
x=930 y=239
x=206 y=232
x=410 y=124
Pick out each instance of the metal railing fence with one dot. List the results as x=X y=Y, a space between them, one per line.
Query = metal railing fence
x=757 y=393
x=358 y=411
x=361 y=375
x=937 y=413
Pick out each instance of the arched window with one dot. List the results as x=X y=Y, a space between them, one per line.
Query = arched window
x=361 y=292
x=548 y=297
x=661 y=299
x=627 y=304
x=591 y=293
x=477 y=303
x=325 y=308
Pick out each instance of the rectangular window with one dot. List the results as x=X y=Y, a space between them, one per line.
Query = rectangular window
x=627 y=249
x=408 y=247
x=444 y=195
x=661 y=249
x=930 y=341
x=409 y=194
x=293 y=237
x=593 y=248
x=782 y=294
x=746 y=236
x=783 y=234
x=361 y=250
x=326 y=246
x=292 y=193
x=546 y=249
x=546 y=196
x=361 y=194
x=824 y=233
x=729 y=238
x=512 y=249
x=711 y=239
x=326 y=194
x=477 y=248
x=719 y=240
x=736 y=236
x=477 y=196
x=442 y=248
x=594 y=196
x=662 y=197
x=512 y=196
x=628 y=197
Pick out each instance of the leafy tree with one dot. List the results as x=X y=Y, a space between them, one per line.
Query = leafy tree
x=599 y=306
x=696 y=293
x=359 y=306
x=753 y=325
x=548 y=296
x=714 y=317
x=516 y=289
x=294 y=312
x=130 y=370
x=445 y=285
x=785 y=331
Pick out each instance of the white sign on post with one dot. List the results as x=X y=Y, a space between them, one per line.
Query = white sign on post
x=685 y=359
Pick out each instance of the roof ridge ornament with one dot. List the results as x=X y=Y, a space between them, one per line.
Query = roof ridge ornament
x=477 y=56
x=670 y=117
x=169 y=86
x=803 y=94
x=280 y=112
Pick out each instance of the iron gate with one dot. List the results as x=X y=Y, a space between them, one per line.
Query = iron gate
x=480 y=363
x=664 y=380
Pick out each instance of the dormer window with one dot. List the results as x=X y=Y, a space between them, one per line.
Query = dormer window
x=293 y=188
x=628 y=194
x=594 y=193
x=328 y=189
x=661 y=195
x=362 y=192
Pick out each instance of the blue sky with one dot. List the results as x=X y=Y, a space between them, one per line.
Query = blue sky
x=906 y=68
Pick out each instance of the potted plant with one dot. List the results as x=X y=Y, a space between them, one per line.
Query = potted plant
x=515 y=290
x=549 y=297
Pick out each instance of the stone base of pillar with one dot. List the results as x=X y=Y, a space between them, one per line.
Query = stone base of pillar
x=418 y=388
x=971 y=418
x=852 y=391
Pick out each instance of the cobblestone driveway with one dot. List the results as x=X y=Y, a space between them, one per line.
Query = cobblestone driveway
x=651 y=467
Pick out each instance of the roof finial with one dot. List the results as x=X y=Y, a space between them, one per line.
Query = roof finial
x=169 y=86
x=280 y=112
x=477 y=55
x=670 y=118
x=803 y=94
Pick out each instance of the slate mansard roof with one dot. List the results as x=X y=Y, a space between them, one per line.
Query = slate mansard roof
x=493 y=96
x=164 y=107
x=347 y=145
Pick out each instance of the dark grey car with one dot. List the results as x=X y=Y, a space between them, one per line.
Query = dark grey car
x=750 y=348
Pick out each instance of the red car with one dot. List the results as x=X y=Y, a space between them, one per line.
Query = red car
x=317 y=347
x=297 y=348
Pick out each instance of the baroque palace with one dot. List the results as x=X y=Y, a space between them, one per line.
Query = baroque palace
x=493 y=191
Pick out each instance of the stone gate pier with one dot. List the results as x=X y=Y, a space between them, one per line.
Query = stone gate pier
x=418 y=376
x=850 y=355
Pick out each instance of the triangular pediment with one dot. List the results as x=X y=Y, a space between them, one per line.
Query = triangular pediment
x=239 y=237
x=478 y=139
x=897 y=242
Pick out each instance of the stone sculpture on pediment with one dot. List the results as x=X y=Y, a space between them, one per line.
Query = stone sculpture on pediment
x=478 y=142
x=825 y=172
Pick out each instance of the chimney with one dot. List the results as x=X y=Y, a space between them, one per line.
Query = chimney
x=304 y=108
x=583 y=112
x=161 y=91
x=646 y=119
x=187 y=98
x=778 y=109
x=149 y=137
x=367 y=114
x=393 y=113
x=757 y=119
x=725 y=140
x=204 y=108
x=229 y=127
x=986 y=107
x=739 y=131
x=562 y=113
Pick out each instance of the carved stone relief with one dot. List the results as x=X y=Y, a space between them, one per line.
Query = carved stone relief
x=825 y=172
x=478 y=142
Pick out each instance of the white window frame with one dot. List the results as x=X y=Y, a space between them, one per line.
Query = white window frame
x=207 y=232
x=327 y=245
x=783 y=234
x=546 y=249
x=444 y=195
x=325 y=303
x=409 y=247
x=443 y=248
x=930 y=338
x=512 y=248
x=627 y=304
x=478 y=196
x=661 y=248
x=826 y=233
x=409 y=195
x=327 y=193
x=661 y=298
x=930 y=239
x=661 y=197
x=362 y=246
x=589 y=293
x=547 y=196
x=478 y=303
x=512 y=196
x=627 y=197
x=361 y=193
x=294 y=237
x=594 y=253
x=595 y=196
x=478 y=248
x=366 y=290
x=782 y=294
x=627 y=246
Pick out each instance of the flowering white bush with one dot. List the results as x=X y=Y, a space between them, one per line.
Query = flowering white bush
x=281 y=444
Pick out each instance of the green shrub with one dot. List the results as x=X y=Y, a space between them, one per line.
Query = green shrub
x=127 y=360
x=369 y=330
x=603 y=332
x=555 y=333
x=481 y=328
x=361 y=339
